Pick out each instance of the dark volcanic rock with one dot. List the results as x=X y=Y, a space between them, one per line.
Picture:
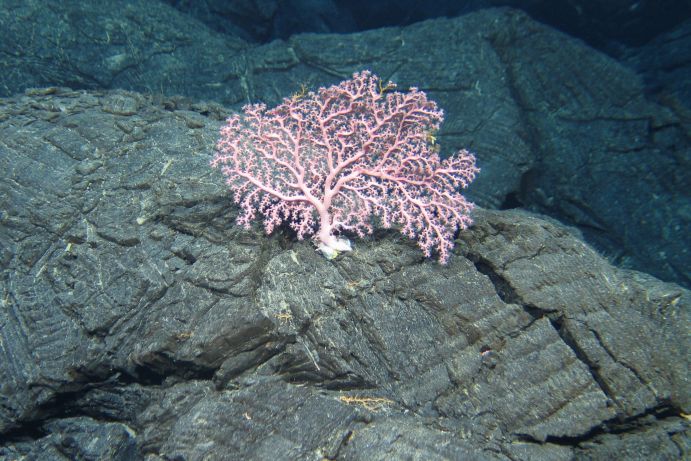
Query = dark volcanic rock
x=666 y=65
x=558 y=127
x=602 y=23
x=137 y=320
x=131 y=44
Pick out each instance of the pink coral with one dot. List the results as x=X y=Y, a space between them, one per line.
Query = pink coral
x=335 y=159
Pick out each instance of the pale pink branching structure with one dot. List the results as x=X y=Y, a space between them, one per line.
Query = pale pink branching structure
x=344 y=159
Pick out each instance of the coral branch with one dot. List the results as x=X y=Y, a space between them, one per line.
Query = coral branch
x=330 y=161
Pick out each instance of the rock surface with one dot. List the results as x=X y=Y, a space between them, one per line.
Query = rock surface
x=138 y=322
x=605 y=24
x=558 y=128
